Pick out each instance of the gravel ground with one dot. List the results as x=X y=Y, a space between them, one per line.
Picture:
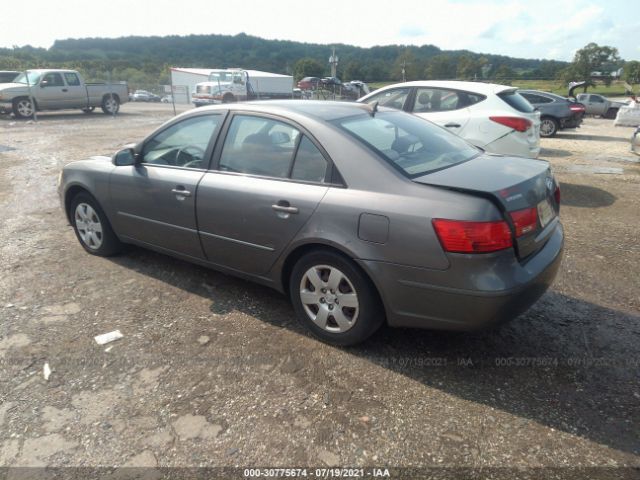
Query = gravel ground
x=215 y=371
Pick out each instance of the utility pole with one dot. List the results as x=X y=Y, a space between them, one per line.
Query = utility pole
x=404 y=70
x=333 y=61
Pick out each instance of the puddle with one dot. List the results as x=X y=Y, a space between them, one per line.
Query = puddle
x=5 y=148
x=595 y=170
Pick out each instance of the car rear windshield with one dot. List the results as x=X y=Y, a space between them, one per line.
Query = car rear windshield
x=413 y=145
x=517 y=101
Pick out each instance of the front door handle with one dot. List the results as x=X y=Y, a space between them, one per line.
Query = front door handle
x=284 y=207
x=65 y=90
x=453 y=125
x=181 y=191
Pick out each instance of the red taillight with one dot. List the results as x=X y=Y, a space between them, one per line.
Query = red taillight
x=525 y=221
x=517 y=123
x=556 y=194
x=458 y=236
x=577 y=108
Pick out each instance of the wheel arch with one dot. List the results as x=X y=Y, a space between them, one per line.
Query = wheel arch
x=299 y=251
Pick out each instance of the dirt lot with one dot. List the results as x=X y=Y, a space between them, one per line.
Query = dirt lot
x=215 y=371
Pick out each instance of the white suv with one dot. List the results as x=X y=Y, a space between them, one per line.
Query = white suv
x=493 y=117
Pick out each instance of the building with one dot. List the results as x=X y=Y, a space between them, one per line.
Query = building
x=184 y=81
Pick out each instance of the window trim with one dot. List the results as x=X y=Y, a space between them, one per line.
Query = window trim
x=215 y=135
x=214 y=166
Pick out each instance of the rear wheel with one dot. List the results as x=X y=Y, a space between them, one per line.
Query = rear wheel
x=334 y=299
x=92 y=227
x=611 y=113
x=548 y=127
x=110 y=105
x=23 y=108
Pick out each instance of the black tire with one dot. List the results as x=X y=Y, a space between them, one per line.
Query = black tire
x=110 y=104
x=88 y=110
x=22 y=106
x=370 y=311
x=110 y=245
x=228 y=98
x=611 y=113
x=549 y=127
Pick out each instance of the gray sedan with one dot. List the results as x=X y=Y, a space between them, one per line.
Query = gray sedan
x=361 y=215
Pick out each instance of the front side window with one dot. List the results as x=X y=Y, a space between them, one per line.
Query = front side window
x=259 y=146
x=53 y=80
x=183 y=144
x=411 y=144
x=72 y=79
x=394 y=98
x=442 y=100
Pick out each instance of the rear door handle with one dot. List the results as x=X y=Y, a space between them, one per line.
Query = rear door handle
x=284 y=208
x=453 y=125
x=181 y=191
x=65 y=90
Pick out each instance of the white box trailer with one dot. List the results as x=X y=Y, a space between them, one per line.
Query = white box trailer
x=236 y=84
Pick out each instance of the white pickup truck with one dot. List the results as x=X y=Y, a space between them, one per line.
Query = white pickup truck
x=59 y=90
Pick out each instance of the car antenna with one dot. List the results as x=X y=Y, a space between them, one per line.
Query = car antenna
x=374 y=109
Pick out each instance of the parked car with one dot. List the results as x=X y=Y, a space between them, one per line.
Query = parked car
x=635 y=142
x=167 y=99
x=309 y=83
x=331 y=81
x=8 y=76
x=495 y=118
x=557 y=113
x=359 y=213
x=144 y=96
x=59 y=90
x=599 y=105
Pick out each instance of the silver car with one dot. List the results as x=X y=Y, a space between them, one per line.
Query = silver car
x=362 y=215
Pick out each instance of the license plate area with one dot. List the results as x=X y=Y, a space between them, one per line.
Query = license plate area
x=545 y=212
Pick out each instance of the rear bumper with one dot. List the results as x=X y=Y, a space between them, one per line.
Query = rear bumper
x=515 y=143
x=476 y=292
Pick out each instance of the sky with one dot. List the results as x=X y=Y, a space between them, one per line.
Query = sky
x=551 y=29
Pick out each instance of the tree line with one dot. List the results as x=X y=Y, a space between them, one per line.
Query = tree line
x=146 y=61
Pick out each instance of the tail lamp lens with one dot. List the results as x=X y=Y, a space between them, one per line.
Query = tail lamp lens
x=457 y=236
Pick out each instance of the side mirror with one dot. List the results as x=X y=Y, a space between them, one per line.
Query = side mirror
x=125 y=157
x=44 y=83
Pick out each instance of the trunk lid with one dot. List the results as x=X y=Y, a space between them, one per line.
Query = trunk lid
x=513 y=184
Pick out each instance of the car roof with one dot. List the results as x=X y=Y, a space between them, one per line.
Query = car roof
x=474 y=87
x=318 y=109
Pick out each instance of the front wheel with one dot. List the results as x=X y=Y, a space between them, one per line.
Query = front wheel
x=110 y=105
x=92 y=227
x=334 y=299
x=548 y=127
x=23 y=108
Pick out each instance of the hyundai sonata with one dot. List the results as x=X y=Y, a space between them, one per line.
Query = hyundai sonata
x=362 y=215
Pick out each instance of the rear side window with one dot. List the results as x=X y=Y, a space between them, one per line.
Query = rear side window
x=72 y=79
x=310 y=165
x=597 y=99
x=442 y=100
x=516 y=101
x=259 y=146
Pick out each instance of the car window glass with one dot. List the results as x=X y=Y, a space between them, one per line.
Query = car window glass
x=409 y=142
x=53 y=80
x=441 y=100
x=309 y=165
x=183 y=144
x=597 y=99
x=72 y=79
x=516 y=101
x=259 y=146
x=393 y=98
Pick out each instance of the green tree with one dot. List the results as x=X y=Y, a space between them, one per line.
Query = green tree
x=468 y=68
x=590 y=58
x=632 y=72
x=504 y=75
x=353 y=70
x=440 y=67
x=307 y=67
x=408 y=62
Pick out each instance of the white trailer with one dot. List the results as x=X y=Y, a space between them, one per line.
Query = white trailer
x=236 y=84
